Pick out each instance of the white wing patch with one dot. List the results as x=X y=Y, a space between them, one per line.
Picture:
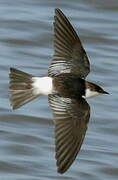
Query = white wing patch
x=42 y=85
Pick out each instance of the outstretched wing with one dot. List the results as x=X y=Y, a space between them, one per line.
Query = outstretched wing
x=71 y=118
x=69 y=54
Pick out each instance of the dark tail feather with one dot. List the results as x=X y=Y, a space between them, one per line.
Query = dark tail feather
x=21 y=90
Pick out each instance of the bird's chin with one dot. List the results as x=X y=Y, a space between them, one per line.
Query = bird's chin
x=89 y=93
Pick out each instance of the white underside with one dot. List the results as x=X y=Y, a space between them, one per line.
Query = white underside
x=42 y=85
x=89 y=93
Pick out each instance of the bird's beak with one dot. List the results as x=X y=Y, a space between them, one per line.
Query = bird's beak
x=104 y=92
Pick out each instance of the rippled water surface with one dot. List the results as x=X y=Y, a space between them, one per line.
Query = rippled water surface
x=27 y=134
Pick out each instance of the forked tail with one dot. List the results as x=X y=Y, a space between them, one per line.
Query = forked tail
x=21 y=89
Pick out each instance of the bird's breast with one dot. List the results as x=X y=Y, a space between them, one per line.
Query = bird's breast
x=69 y=86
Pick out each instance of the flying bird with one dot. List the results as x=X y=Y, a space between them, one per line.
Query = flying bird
x=66 y=88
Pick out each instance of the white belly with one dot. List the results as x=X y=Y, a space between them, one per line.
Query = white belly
x=42 y=85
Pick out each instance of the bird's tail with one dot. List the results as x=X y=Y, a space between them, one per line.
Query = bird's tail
x=21 y=89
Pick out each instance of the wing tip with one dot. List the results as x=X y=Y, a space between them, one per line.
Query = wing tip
x=61 y=170
x=57 y=10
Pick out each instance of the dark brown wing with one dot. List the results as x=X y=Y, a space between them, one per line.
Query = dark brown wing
x=69 y=55
x=71 y=118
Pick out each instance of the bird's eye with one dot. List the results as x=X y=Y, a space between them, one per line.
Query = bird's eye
x=100 y=90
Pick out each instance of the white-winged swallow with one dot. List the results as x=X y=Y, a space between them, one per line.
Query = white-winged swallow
x=66 y=88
